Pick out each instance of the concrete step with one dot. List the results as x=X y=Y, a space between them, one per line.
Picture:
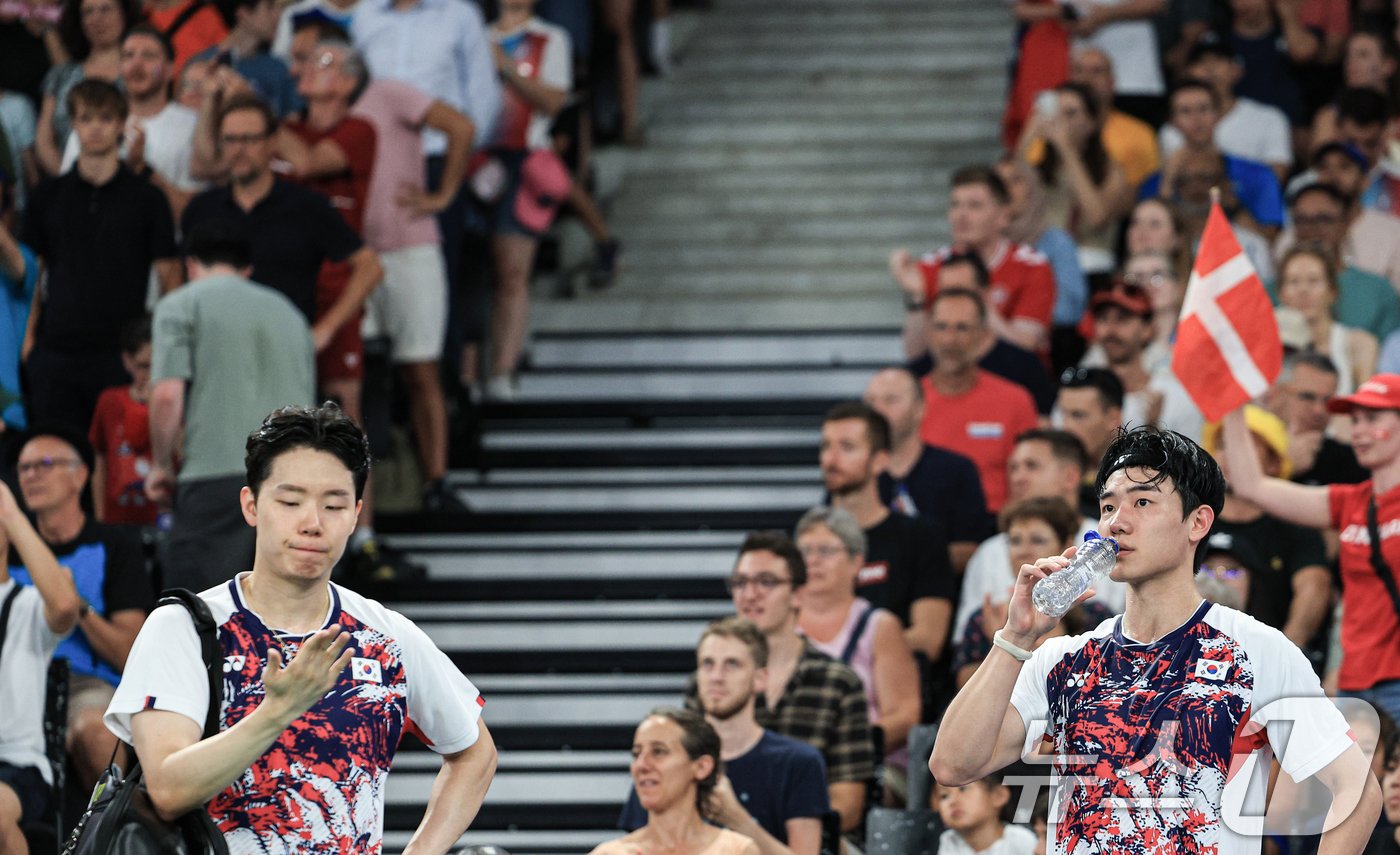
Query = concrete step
x=703 y=206
x=825 y=348
x=692 y=312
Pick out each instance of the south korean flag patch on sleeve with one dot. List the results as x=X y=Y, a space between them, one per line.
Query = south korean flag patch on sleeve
x=365 y=670
x=1212 y=670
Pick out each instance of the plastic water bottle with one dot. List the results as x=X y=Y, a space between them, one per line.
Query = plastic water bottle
x=1056 y=593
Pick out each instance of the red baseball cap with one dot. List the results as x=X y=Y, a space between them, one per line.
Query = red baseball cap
x=1381 y=392
x=1130 y=298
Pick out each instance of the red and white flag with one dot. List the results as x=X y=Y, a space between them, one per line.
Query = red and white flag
x=1227 y=346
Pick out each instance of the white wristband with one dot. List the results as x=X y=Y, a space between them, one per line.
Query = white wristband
x=1018 y=653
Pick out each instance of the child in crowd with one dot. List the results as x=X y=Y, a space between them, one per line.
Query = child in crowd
x=121 y=437
x=977 y=817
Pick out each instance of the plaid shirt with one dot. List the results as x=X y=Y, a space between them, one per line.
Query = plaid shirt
x=824 y=706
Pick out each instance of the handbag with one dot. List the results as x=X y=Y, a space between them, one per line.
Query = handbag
x=120 y=819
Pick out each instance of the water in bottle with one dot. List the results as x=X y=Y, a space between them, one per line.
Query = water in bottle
x=1056 y=593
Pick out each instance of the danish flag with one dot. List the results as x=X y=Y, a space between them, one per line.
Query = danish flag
x=1227 y=344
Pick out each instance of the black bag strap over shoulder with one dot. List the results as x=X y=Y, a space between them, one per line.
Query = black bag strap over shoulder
x=856 y=633
x=1378 y=561
x=209 y=649
x=5 y=614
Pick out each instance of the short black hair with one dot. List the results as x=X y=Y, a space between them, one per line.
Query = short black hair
x=1064 y=446
x=325 y=27
x=877 y=427
x=780 y=545
x=151 y=32
x=1328 y=190
x=324 y=428
x=1101 y=380
x=1192 y=84
x=1194 y=474
x=1210 y=46
x=1362 y=106
x=220 y=241
x=135 y=335
x=986 y=176
x=973 y=260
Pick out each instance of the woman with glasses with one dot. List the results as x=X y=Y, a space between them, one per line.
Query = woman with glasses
x=675 y=769
x=1153 y=273
x=1308 y=285
x=848 y=628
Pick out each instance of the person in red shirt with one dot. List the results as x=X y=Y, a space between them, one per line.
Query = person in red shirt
x=191 y=26
x=1370 y=667
x=1022 y=290
x=970 y=410
x=121 y=437
x=332 y=153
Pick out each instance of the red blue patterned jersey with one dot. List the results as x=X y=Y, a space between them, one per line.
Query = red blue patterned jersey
x=320 y=786
x=1165 y=747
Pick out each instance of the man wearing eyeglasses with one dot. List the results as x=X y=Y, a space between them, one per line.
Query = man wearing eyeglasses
x=808 y=695
x=109 y=572
x=293 y=230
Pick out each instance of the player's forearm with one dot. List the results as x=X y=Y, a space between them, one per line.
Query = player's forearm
x=457 y=794
x=967 y=738
x=190 y=777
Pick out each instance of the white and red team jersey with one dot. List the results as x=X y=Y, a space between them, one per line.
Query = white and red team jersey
x=1370 y=634
x=320 y=787
x=1023 y=284
x=541 y=52
x=1165 y=748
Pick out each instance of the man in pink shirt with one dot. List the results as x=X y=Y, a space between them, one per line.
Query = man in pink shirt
x=970 y=410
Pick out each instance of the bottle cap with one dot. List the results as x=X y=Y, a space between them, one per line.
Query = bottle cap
x=1093 y=535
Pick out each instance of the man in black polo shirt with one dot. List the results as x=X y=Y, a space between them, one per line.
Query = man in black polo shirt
x=98 y=229
x=293 y=230
x=907 y=569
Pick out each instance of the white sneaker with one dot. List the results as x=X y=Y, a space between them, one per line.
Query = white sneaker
x=500 y=388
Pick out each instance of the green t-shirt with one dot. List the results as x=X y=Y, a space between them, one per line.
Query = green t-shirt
x=244 y=350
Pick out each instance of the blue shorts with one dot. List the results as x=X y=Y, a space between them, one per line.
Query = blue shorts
x=30 y=786
x=502 y=215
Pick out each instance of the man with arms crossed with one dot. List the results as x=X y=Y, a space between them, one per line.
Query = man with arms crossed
x=319 y=682
x=1145 y=714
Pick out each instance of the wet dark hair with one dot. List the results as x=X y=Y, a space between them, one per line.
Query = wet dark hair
x=780 y=545
x=324 y=428
x=1193 y=473
x=698 y=739
x=877 y=427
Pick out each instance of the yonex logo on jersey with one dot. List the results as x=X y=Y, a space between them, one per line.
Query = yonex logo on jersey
x=234 y=664
x=1212 y=670
x=365 y=670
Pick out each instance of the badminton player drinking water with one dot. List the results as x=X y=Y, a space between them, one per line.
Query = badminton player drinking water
x=1156 y=720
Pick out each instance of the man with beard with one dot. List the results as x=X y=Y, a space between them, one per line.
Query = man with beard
x=969 y=409
x=806 y=695
x=921 y=479
x=1123 y=333
x=293 y=230
x=773 y=790
x=906 y=569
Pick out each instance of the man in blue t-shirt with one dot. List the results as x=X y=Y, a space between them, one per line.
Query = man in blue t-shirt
x=1188 y=175
x=774 y=788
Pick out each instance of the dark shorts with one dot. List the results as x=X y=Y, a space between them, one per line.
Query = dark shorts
x=503 y=221
x=29 y=785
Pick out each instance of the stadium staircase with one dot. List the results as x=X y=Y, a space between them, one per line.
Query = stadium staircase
x=795 y=144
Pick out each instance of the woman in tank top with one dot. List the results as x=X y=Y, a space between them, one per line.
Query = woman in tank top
x=675 y=769
x=848 y=628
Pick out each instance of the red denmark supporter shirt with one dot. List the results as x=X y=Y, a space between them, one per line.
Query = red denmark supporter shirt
x=982 y=425
x=1370 y=629
x=320 y=787
x=1023 y=285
